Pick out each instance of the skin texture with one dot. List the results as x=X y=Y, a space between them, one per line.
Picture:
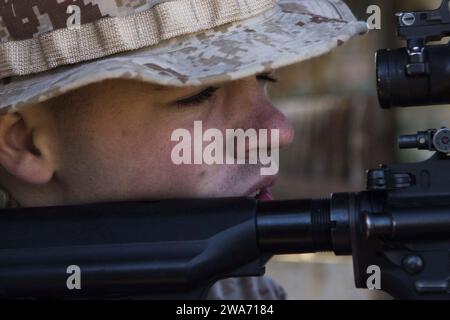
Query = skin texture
x=111 y=141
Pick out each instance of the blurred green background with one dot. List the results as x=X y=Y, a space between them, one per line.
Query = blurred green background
x=340 y=132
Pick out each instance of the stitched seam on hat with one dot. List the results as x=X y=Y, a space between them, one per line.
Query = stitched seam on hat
x=165 y=21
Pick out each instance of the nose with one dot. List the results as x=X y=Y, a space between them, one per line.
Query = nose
x=270 y=117
x=257 y=112
x=262 y=114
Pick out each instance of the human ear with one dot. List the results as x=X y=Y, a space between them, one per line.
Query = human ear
x=23 y=153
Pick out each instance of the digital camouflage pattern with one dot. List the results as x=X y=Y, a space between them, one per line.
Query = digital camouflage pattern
x=111 y=35
x=291 y=32
x=20 y=20
x=247 y=288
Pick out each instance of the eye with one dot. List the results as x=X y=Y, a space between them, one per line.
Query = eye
x=197 y=99
x=266 y=77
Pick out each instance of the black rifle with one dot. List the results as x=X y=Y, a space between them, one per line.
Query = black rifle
x=178 y=248
x=399 y=226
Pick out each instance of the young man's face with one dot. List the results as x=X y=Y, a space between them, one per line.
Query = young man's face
x=116 y=145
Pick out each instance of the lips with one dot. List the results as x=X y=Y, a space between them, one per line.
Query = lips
x=262 y=190
x=265 y=194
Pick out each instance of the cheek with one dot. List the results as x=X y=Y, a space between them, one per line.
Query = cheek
x=146 y=167
x=128 y=156
x=150 y=171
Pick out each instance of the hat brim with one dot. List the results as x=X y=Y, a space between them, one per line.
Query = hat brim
x=291 y=32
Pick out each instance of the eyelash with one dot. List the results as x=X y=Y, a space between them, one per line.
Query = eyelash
x=200 y=98
x=266 y=77
x=209 y=92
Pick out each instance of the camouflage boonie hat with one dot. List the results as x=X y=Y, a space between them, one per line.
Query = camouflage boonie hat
x=49 y=47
